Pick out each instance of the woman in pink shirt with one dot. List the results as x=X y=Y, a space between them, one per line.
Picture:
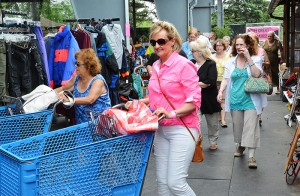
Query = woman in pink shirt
x=174 y=78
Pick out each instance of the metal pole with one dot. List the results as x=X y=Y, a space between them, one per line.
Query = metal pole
x=127 y=24
x=220 y=21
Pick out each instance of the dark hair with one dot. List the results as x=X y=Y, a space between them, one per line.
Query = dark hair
x=219 y=41
x=90 y=60
x=249 y=41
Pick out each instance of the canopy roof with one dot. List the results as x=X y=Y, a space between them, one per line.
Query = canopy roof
x=273 y=4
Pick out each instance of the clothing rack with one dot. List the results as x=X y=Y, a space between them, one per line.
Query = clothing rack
x=4 y=12
x=92 y=20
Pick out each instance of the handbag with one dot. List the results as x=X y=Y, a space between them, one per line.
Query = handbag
x=256 y=85
x=198 y=153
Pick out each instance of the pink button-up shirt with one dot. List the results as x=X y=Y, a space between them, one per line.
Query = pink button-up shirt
x=179 y=82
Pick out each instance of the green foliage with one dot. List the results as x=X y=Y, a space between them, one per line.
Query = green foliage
x=278 y=12
x=57 y=11
x=142 y=12
x=221 y=32
x=245 y=11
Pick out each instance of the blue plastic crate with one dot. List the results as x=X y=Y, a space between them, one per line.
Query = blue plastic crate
x=21 y=126
x=68 y=162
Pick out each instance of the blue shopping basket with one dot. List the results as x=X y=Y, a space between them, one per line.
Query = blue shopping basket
x=71 y=161
x=15 y=125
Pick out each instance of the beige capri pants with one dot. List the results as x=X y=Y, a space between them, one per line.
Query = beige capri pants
x=246 y=130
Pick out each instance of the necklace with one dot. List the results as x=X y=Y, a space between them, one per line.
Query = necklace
x=239 y=72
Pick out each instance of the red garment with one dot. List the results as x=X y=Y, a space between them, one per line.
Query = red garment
x=82 y=38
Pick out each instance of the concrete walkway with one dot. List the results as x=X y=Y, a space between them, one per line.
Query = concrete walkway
x=223 y=175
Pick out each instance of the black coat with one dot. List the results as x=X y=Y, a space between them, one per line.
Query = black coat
x=208 y=75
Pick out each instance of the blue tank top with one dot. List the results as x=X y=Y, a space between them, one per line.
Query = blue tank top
x=239 y=99
x=101 y=104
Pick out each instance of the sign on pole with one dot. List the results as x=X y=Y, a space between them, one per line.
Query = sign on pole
x=262 y=31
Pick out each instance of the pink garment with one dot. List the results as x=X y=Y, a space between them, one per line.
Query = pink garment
x=179 y=82
x=260 y=51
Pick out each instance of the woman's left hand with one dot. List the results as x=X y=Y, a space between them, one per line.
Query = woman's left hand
x=62 y=96
x=161 y=111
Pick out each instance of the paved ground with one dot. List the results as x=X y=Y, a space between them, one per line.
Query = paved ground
x=223 y=175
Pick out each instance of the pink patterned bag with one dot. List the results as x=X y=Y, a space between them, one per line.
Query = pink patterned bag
x=138 y=118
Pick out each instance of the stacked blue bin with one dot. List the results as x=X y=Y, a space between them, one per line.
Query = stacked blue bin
x=21 y=126
x=70 y=162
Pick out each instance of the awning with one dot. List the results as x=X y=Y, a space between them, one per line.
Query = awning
x=273 y=4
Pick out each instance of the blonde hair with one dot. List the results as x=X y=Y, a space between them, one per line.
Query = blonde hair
x=201 y=46
x=171 y=33
x=194 y=31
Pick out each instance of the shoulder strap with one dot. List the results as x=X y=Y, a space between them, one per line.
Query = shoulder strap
x=174 y=109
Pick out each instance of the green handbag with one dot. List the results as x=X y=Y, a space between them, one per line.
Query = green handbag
x=256 y=85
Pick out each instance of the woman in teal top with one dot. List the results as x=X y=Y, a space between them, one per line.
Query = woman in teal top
x=244 y=107
x=90 y=88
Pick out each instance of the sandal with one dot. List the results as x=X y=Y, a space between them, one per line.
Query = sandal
x=213 y=147
x=224 y=125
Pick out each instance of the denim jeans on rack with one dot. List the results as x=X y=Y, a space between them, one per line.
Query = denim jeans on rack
x=2 y=67
x=18 y=69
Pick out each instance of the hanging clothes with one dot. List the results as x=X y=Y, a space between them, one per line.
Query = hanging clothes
x=62 y=57
x=19 y=70
x=115 y=37
x=83 y=38
x=37 y=30
x=2 y=67
x=110 y=70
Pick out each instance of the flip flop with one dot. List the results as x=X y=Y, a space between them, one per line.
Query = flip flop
x=223 y=125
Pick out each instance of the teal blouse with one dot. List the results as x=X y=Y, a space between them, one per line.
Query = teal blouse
x=239 y=99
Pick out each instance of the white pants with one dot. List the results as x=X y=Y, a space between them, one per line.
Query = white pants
x=173 y=149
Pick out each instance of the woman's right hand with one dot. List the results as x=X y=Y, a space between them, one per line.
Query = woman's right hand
x=220 y=97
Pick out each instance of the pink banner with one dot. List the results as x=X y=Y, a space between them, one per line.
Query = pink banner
x=127 y=30
x=262 y=31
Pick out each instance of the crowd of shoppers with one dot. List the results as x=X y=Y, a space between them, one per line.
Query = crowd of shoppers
x=212 y=86
x=201 y=77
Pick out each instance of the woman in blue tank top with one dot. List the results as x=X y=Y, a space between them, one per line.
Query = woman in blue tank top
x=89 y=87
x=244 y=107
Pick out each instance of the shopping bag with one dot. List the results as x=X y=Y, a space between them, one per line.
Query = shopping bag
x=138 y=118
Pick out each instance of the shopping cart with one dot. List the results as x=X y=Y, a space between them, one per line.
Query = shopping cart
x=77 y=160
x=11 y=106
x=15 y=125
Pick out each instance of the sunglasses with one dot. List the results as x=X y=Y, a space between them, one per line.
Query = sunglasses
x=160 y=42
x=78 y=64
